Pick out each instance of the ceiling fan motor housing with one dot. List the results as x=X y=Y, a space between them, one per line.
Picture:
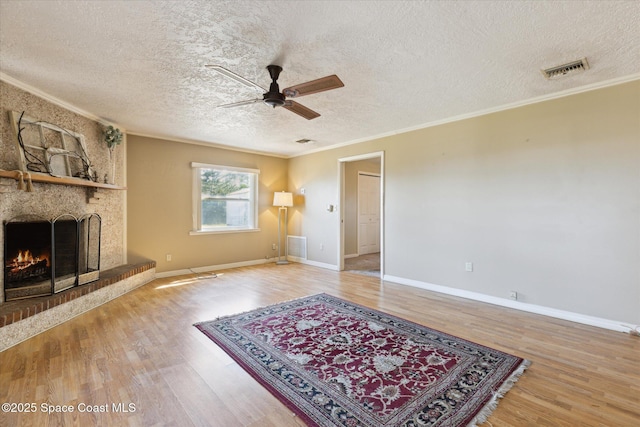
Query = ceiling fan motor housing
x=274 y=98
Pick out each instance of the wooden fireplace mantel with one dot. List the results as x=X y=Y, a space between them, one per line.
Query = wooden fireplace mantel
x=41 y=177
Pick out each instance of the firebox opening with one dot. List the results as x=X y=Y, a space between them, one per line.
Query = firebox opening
x=27 y=255
x=46 y=257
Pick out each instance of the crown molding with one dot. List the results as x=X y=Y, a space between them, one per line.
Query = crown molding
x=207 y=144
x=536 y=100
x=70 y=107
x=54 y=100
x=574 y=91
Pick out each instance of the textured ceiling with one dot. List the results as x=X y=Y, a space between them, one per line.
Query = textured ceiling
x=404 y=64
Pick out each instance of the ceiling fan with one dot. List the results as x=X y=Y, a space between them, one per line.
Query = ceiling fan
x=274 y=98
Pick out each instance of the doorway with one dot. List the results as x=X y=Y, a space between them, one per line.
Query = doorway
x=361 y=213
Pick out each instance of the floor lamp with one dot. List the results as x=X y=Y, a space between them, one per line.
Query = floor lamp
x=282 y=200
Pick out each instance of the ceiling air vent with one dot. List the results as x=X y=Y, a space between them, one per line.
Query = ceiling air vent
x=564 y=69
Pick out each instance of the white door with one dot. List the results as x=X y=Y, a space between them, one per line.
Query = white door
x=368 y=214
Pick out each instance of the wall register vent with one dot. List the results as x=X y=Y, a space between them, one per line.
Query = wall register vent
x=565 y=69
x=297 y=247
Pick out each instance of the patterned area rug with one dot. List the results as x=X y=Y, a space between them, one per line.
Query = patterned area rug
x=336 y=363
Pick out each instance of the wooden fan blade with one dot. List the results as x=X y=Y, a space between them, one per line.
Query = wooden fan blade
x=314 y=86
x=234 y=76
x=239 y=103
x=300 y=110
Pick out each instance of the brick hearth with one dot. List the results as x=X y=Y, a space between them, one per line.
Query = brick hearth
x=20 y=320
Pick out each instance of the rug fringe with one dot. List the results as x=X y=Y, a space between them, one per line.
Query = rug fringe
x=488 y=409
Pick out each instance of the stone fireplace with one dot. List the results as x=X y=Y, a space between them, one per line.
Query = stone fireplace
x=73 y=262
x=44 y=257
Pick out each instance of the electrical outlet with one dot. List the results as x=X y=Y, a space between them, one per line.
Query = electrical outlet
x=468 y=266
x=322 y=246
x=513 y=295
x=273 y=246
x=168 y=257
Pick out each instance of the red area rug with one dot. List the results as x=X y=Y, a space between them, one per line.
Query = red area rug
x=336 y=363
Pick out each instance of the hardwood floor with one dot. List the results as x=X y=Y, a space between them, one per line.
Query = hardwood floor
x=141 y=352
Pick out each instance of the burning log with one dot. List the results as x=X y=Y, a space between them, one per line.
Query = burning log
x=25 y=266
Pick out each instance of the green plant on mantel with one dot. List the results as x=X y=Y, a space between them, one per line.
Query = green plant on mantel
x=112 y=137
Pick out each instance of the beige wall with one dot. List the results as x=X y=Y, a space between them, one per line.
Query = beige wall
x=49 y=201
x=160 y=205
x=543 y=199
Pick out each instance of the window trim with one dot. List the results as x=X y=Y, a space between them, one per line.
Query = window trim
x=196 y=211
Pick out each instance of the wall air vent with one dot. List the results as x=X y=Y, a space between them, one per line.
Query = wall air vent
x=297 y=247
x=564 y=69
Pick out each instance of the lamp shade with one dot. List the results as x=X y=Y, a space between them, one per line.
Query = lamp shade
x=282 y=198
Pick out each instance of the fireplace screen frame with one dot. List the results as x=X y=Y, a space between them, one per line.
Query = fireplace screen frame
x=72 y=261
x=89 y=259
x=64 y=248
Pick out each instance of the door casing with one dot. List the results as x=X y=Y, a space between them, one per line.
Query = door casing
x=341 y=197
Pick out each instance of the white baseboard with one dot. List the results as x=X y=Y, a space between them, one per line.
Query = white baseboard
x=214 y=267
x=351 y=256
x=518 y=305
x=242 y=264
x=314 y=263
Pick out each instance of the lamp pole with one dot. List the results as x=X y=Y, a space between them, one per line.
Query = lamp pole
x=282 y=261
x=282 y=200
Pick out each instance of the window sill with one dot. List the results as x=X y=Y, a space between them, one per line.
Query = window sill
x=223 y=231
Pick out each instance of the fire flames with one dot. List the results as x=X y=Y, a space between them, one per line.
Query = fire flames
x=26 y=259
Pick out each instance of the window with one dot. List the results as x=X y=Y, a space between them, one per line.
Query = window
x=225 y=199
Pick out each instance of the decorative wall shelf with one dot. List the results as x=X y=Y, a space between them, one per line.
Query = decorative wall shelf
x=41 y=177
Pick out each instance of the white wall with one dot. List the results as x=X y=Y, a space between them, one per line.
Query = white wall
x=543 y=199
